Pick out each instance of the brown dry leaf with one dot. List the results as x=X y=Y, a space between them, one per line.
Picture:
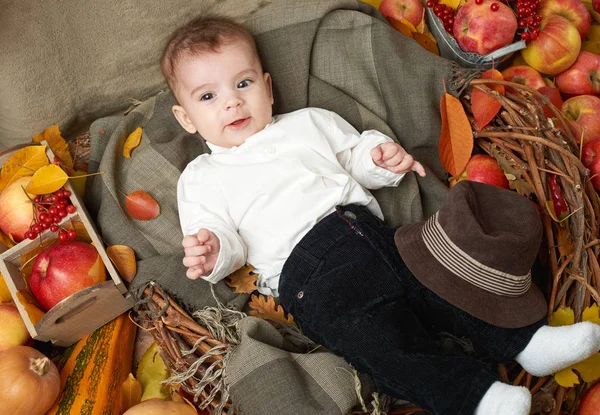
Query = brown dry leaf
x=485 y=106
x=456 y=139
x=28 y=258
x=133 y=140
x=427 y=41
x=140 y=205
x=57 y=143
x=34 y=311
x=79 y=228
x=564 y=242
x=23 y=163
x=131 y=393
x=551 y=211
x=243 y=280
x=265 y=307
x=124 y=259
x=47 y=179
x=513 y=172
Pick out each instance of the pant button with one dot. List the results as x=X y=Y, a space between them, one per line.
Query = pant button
x=349 y=215
x=300 y=295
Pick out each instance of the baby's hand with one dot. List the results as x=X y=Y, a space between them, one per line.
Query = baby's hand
x=201 y=253
x=393 y=157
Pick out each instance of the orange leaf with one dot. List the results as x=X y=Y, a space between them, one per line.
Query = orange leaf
x=484 y=106
x=57 y=143
x=427 y=41
x=456 y=138
x=34 y=312
x=133 y=140
x=5 y=295
x=47 y=179
x=243 y=280
x=564 y=242
x=124 y=259
x=23 y=163
x=140 y=205
x=131 y=393
x=403 y=26
x=265 y=307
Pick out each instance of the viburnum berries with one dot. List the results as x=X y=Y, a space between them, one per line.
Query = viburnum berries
x=48 y=211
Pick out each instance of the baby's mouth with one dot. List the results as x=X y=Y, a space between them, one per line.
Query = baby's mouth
x=238 y=122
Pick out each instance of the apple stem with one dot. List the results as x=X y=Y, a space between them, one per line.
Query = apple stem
x=39 y=365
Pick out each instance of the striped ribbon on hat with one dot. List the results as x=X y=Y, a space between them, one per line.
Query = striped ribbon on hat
x=457 y=261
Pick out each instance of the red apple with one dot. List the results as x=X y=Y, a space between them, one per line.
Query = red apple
x=13 y=331
x=584 y=111
x=16 y=210
x=572 y=10
x=64 y=269
x=590 y=402
x=524 y=75
x=556 y=47
x=484 y=169
x=583 y=77
x=591 y=159
x=480 y=30
x=596 y=5
x=411 y=10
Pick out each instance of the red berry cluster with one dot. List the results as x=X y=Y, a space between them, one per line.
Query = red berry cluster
x=48 y=211
x=444 y=13
x=528 y=18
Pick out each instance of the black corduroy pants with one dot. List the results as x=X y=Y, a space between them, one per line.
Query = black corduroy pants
x=349 y=290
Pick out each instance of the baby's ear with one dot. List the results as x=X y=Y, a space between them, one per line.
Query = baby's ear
x=269 y=83
x=183 y=119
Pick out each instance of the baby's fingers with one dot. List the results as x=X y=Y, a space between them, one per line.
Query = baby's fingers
x=198 y=250
x=194 y=273
x=193 y=261
x=189 y=241
x=418 y=168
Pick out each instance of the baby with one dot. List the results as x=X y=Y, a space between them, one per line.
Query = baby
x=288 y=195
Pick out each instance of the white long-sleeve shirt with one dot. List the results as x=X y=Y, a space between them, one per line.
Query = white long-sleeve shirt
x=262 y=197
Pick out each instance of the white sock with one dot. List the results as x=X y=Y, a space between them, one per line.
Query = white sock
x=552 y=349
x=503 y=399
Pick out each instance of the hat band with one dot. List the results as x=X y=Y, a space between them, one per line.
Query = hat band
x=468 y=268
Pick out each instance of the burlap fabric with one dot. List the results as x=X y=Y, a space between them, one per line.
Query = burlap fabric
x=339 y=55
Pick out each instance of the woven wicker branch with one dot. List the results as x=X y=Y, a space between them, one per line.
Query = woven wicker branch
x=522 y=136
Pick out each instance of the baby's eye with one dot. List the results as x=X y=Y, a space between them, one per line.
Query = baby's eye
x=206 y=97
x=244 y=83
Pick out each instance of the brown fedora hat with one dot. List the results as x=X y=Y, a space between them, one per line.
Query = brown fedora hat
x=477 y=251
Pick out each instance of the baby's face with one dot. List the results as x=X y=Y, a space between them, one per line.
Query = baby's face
x=224 y=96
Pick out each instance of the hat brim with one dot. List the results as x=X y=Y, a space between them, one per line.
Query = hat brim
x=501 y=311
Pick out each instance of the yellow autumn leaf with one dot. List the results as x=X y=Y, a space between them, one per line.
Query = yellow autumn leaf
x=47 y=179
x=57 y=143
x=566 y=378
x=151 y=372
x=131 y=393
x=5 y=296
x=124 y=259
x=23 y=163
x=374 y=3
x=452 y=3
x=592 y=46
x=6 y=240
x=562 y=317
x=592 y=314
x=34 y=312
x=78 y=181
x=133 y=140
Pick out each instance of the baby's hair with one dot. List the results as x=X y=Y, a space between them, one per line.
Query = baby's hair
x=202 y=34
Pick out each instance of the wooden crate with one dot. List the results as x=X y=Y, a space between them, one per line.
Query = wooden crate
x=85 y=310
